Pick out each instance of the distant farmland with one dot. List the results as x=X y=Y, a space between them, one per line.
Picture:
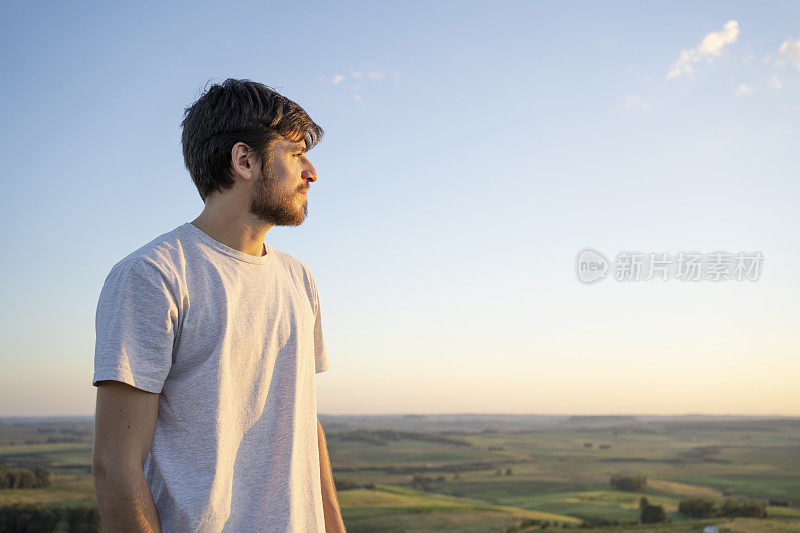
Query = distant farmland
x=501 y=472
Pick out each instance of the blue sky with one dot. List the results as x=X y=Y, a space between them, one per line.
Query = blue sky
x=471 y=150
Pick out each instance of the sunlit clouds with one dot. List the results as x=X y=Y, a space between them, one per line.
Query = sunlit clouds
x=372 y=75
x=785 y=55
x=790 y=53
x=708 y=50
x=358 y=82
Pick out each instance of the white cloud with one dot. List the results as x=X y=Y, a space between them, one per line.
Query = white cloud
x=743 y=89
x=775 y=83
x=790 y=51
x=374 y=75
x=714 y=42
x=709 y=49
x=355 y=81
x=682 y=65
x=634 y=100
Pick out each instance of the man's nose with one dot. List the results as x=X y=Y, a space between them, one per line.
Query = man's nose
x=309 y=172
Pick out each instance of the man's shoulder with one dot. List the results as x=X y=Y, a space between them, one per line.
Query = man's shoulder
x=298 y=270
x=290 y=260
x=163 y=254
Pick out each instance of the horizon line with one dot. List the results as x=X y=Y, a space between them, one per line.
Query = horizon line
x=2 y=417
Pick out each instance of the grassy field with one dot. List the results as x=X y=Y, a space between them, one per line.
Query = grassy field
x=485 y=473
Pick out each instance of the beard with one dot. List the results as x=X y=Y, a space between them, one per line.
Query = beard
x=274 y=206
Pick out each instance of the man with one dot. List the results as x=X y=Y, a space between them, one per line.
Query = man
x=208 y=341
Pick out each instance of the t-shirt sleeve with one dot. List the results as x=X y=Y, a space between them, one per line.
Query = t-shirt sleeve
x=320 y=352
x=135 y=326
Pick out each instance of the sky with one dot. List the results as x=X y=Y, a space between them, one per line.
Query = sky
x=471 y=151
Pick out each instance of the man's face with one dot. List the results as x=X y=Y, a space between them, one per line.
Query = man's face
x=279 y=194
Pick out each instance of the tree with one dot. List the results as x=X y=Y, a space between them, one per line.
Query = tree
x=751 y=508
x=22 y=478
x=652 y=514
x=698 y=508
x=629 y=483
x=83 y=518
x=33 y=518
x=43 y=476
x=729 y=507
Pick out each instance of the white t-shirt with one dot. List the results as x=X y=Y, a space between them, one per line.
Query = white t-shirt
x=232 y=343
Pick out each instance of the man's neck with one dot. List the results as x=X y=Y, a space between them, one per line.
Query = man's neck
x=239 y=233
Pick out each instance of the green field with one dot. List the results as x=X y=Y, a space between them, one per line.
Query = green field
x=492 y=473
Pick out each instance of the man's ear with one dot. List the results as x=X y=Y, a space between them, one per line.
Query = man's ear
x=244 y=161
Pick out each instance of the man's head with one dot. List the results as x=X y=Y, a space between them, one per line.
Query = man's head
x=243 y=129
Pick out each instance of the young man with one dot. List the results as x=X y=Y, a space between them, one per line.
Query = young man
x=209 y=339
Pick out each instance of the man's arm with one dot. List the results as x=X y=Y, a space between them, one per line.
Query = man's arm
x=330 y=503
x=124 y=424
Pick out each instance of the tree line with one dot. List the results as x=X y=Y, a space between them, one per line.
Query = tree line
x=37 y=518
x=23 y=478
x=692 y=507
x=702 y=508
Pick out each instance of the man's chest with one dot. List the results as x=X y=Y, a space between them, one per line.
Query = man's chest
x=247 y=317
